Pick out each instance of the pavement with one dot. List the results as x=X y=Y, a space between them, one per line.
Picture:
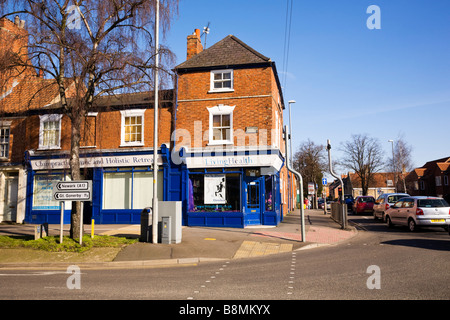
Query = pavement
x=202 y=244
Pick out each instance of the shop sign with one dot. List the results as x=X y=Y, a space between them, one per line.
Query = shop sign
x=214 y=192
x=268 y=160
x=97 y=162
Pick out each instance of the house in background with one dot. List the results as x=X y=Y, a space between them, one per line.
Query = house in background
x=382 y=182
x=22 y=92
x=432 y=179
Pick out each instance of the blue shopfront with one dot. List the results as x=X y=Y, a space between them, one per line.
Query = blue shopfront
x=122 y=184
x=232 y=189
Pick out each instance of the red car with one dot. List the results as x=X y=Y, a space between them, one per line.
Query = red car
x=363 y=204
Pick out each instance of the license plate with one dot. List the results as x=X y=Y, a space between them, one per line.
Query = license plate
x=437 y=220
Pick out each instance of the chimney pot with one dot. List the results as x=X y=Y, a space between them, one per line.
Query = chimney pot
x=17 y=20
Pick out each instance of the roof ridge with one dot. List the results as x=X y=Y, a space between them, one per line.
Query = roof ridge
x=225 y=52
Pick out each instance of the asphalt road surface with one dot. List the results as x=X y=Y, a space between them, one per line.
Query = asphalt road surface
x=378 y=263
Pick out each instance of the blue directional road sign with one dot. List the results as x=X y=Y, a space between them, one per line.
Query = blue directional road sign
x=324 y=181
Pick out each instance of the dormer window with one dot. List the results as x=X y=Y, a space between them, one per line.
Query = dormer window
x=221 y=80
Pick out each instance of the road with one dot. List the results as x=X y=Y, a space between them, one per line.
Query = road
x=379 y=263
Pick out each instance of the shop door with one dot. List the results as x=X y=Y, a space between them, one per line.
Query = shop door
x=253 y=201
x=10 y=209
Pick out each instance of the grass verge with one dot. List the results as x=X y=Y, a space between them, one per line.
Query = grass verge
x=51 y=243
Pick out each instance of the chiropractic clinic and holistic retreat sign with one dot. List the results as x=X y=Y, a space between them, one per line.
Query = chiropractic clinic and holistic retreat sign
x=97 y=162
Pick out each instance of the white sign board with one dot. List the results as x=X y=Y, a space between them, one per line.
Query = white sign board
x=268 y=160
x=97 y=162
x=311 y=188
x=73 y=190
x=214 y=189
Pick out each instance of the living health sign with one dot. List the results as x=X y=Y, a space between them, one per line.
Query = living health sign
x=215 y=189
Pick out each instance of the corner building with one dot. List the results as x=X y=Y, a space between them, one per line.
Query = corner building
x=229 y=136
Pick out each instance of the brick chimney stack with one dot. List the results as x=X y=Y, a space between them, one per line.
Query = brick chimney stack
x=194 y=44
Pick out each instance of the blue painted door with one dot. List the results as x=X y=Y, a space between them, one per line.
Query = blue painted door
x=253 y=207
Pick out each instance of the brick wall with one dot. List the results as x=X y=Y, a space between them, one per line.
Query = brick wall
x=255 y=97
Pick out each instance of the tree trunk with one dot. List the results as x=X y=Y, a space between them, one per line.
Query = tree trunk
x=76 y=119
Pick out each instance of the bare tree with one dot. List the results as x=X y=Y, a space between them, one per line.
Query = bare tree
x=364 y=156
x=401 y=164
x=90 y=49
x=310 y=161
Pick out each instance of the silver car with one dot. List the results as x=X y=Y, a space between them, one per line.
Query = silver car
x=419 y=211
x=384 y=202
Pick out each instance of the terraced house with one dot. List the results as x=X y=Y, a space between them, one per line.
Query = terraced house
x=220 y=149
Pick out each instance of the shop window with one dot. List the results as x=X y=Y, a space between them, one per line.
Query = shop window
x=269 y=194
x=130 y=190
x=43 y=191
x=215 y=192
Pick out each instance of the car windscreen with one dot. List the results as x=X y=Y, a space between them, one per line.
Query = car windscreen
x=432 y=203
x=369 y=199
x=395 y=198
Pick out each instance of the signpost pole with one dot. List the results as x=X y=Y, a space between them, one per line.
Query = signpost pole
x=61 y=204
x=81 y=223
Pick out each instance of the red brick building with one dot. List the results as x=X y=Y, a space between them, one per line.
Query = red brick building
x=432 y=179
x=220 y=149
x=229 y=123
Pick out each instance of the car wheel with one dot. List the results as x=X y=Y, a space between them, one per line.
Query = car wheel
x=412 y=225
x=389 y=222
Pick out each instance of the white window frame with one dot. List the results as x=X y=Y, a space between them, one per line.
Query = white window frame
x=438 y=181
x=212 y=81
x=6 y=125
x=132 y=113
x=42 y=120
x=220 y=110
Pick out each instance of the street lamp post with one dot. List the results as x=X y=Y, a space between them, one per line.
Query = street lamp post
x=393 y=164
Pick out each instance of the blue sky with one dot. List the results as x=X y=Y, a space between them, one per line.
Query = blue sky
x=346 y=79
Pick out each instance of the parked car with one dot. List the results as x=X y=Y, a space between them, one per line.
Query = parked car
x=419 y=211
x=384 y=202
x=363 y=204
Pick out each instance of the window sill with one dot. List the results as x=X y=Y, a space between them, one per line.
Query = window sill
x=48 y=148
x=221 y=91
x=218 y=143
x=124 y=145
